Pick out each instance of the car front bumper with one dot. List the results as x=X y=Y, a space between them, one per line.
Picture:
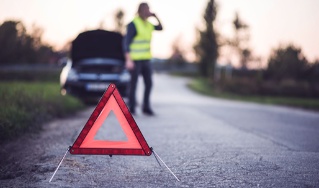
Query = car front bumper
x=93 y=89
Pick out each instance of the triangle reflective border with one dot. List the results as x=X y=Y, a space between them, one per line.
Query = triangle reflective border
x=135 y=144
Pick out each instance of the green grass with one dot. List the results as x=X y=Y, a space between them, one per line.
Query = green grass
x=202 y=86
x=184 y=74
x=25 y=106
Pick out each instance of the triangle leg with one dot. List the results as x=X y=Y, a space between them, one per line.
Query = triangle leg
x=166 y=165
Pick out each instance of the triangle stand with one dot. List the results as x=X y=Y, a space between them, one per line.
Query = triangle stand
x=157 y=156
x=59 y=164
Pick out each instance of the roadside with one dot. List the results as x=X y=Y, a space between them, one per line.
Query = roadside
x=202 y=86
x=23 y=158
x=26 y=106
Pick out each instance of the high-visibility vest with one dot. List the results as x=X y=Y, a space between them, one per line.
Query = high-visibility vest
x=140 y=48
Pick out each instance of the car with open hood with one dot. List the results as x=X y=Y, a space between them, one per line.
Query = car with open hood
x=96 y=60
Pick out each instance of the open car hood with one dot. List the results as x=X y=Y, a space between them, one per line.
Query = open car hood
x=97 y=44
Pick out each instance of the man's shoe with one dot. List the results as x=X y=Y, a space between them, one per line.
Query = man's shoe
x=148 y=112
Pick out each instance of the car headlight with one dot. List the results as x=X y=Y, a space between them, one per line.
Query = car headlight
x=125 y=77
x=72 y=76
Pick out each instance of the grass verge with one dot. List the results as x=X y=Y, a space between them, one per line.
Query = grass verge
x=202 y=86
x=27 y=105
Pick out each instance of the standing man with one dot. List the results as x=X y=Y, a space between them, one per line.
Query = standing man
x=137 y=46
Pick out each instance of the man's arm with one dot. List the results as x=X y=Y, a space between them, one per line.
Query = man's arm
x=158 y=27
x=131 y=32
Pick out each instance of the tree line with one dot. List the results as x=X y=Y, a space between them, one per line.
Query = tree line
x=18 y=46
x=21 y=47
x=288 y=72
x=285 y=62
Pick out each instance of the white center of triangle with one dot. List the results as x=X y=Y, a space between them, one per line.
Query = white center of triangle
x=90 y=142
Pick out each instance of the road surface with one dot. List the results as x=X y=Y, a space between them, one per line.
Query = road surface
x=207 y=142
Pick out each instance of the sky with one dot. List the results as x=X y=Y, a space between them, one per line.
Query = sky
x=271 y=22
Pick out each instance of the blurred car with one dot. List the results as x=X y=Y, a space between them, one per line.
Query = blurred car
x=96 y=60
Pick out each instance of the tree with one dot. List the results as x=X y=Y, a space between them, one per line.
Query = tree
x=206 y=48
x=10 y=32
x=240 y=41
x=287 y=62
x=312 y=72
x=119 y=16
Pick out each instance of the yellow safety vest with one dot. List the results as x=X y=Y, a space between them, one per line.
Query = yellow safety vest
x=140 y=48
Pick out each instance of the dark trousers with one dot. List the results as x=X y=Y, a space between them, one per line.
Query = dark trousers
x=144 y=68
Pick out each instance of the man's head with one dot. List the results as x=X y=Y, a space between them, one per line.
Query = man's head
x=144 y=11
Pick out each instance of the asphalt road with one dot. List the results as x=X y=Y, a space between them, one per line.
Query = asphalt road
x=207 y=142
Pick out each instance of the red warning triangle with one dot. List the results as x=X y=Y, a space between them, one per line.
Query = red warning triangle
x=111 y=101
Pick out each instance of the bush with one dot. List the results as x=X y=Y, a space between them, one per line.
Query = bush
x=287 y=62
x=30 y=75
x=286 y=88
x=241 y=86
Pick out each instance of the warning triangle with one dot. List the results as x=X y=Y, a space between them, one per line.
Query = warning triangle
x=86 y=143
